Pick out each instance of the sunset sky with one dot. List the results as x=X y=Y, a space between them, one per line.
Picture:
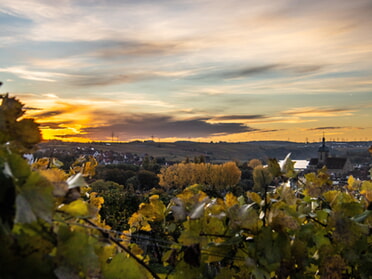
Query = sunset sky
x=201 y=70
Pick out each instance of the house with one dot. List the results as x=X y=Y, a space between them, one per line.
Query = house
x=335 y=166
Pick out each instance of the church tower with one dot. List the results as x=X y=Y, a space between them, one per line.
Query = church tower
x=323 y=152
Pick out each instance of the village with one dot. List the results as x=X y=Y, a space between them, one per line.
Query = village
x=319 y=155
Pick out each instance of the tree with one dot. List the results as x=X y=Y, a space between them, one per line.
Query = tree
x=262 y=178
x=147 y=179
x=274 y=167
x=216 y=176
x=254 y=163
x=119 y=203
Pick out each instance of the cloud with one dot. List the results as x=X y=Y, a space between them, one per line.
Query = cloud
x=318 y=112
x=236 y=73
x=273 y=70
x=335 y=128
x=103 y=79
x=31 y=108
x=60 y=108
x=48 y=113
x=128 y=49
x=325 y=128
x=68 y=136
x=144 y=126
x=303 y=69
x=25 y=73
x=249 y=71
x=270 y=130
x=55 y=125
x=113 y=77
x=238 y=117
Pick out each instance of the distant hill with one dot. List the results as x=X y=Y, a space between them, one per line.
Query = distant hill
x=223 y=151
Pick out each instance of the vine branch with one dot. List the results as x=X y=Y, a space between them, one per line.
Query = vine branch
x=104 y=234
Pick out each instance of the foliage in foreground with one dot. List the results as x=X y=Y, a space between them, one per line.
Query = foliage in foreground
x=50 y=226
x=290 y=234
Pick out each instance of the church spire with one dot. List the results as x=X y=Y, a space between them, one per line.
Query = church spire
x=323 y=151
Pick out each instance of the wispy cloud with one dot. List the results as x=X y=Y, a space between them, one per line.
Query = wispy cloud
x=318 y=112
x=117 y=49
x=239 y=117
x=25 y=73
x=335 y=128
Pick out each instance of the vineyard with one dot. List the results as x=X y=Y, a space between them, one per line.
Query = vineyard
x=51 y=224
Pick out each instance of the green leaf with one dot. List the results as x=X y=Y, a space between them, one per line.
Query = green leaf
x=320 y=239
x=12 y=108
x=76 y=252
x=186 y=271
x=27 y=132
x=123 y=266
x=337 y=199
x=254 y=197
x=20 y=169
x=245 y=217
x=34 y=246
x=214 y=225
x=226 y=272
x=322 y=215
x=35 y=199
x=24 y=212
x=191 y=234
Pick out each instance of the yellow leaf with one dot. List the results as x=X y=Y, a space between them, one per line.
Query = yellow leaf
x=138 y=222
x=254 y=197
x=367 y=190
x=58 y=178
x=96 y=201
x=350 y=181
x=231 y=200
x=41 y=163
x=54 y=175
x=77 y=208
x=126 y=236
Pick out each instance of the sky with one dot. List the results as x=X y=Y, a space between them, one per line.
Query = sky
x=198 y=70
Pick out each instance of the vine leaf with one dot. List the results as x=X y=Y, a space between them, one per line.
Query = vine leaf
x=254 y=197
x=77 y=208
x=154 y=210
x=27 y=131
x=35 y=199
x=122 y=265
x=231 y=200
x=24 y=213
x=191 y=234
x=76 y=252
x=367 y=190
x=138 y=222
x=58 y=178
x=20 y=170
